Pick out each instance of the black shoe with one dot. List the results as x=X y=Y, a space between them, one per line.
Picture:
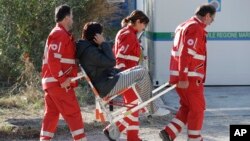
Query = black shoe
x=164 y=136
x=106 y=133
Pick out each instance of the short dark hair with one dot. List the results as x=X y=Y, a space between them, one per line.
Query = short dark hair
x=90 y=29
x=61 y=12
x=204 y=9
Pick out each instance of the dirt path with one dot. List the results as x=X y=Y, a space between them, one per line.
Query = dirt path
x=24 y=126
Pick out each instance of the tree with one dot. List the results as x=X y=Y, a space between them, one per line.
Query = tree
x=25 y=25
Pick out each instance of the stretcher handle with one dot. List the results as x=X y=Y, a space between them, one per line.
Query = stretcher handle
x=77 y=77
x=159 y=88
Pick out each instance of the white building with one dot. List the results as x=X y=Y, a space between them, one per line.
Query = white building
x=228 y=39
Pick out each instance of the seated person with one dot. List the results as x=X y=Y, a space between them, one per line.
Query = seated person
x=97 y=59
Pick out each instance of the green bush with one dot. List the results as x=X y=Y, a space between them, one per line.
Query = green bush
x=24 y=27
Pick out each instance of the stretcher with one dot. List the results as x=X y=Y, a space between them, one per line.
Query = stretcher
x=103 y=114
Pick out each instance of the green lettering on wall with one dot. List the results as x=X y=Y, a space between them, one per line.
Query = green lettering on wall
x=168 y=36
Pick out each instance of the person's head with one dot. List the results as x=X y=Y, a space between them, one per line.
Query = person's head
x=90 y=29
x=138 y=20
x=206 y=13
x=64 y=16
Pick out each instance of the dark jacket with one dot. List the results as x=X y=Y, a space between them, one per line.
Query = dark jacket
x=98 y=62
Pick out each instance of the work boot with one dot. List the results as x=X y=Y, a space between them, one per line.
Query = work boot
x=106 y=133
x=164 y=136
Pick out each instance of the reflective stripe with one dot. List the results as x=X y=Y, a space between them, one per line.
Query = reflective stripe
x=68 y=61
x=195 y=43
x=178 y=52
x=133 y=118
x=44 y=140
x=128 y=57
x=175 y=53
x=120 y=66
x=176 y=73
x=133 y=127
x=195 y=139
x=45 y=61
x=124 y=123
x=77 y=132
x=190 y=51
x=60 y=73
x=196 y=55
x=200 y=57
x=48 y=79
x=64 y=60
x=45 y=133
x=186 y=70
x=194 y=132
x=57 y=55
x=195 y=74
x=137 y=94
x=173 y=128
x=178 y=122
x=60 y=46
x=135 y=101
x=82 y=139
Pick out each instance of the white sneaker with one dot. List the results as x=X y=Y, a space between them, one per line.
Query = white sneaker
x=161 y=112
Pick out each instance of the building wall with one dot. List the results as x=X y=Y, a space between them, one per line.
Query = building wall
x=228 y=39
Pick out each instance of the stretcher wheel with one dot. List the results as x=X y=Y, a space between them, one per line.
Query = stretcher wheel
x=114 y=132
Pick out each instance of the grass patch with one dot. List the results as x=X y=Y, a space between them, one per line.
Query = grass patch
x=28 y=98
x=10 y=102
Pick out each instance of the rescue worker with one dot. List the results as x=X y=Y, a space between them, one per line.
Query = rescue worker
x=188 y=70
x=128 y=53
x=97 y=59
x=59 y=66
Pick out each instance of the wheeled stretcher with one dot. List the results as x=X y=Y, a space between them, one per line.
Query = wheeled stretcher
x=103 y=114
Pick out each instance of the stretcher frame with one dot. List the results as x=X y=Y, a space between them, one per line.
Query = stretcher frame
x=120 y=114
x=115 y=116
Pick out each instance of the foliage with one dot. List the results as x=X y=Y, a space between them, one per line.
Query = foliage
x=24 y=27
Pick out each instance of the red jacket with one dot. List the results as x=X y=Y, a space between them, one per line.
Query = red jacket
x=59 y=58
x=127 y=48
x=189 y=54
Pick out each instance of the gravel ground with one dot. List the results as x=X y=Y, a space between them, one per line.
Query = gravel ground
x=225 y=106
x=27 y=128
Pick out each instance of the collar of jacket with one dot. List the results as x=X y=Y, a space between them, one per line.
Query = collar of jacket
x=199 y=21
x=130 y=27
x=62 y=27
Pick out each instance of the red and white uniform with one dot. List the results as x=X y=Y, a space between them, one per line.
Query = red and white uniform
x=127 y=53
x=127 y=48
x=58 y=65
x=188 y=63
